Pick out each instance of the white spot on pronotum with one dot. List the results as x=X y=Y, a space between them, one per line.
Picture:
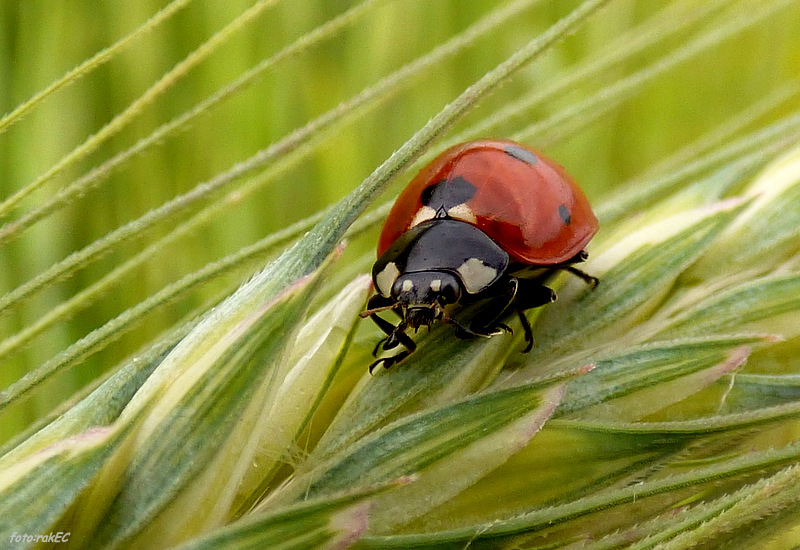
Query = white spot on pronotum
x=462 y=212
x=423 y=214
x=386 y=278
x=476 y=275
x=408 y=285
x=436 y=285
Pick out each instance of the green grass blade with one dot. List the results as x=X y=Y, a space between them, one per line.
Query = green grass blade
x=102 y=172
x=766 y=304
x=36 y=492
x=315 y=357
x=135 y=108
x=191 y=401
x=84 y=68
x=332 y=522
x=548 y=518
x=472 y=438
x=653 y=365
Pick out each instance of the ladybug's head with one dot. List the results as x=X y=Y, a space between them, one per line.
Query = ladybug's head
x=422 y=295
x=426 y=288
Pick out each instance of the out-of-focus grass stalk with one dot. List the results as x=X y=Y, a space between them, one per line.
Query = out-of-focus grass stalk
x=135 y=108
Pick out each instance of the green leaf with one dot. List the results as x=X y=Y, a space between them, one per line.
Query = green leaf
x=442 y=369
x=333 y=522
x=755 y=391
x=39 y=490
x=769 y=505
x=101 y=407
x=444 y=451
x=768 y=304
x=644 y=379
x=217 y=377
x=770 y=225
x=536 y=524
x=315 y=356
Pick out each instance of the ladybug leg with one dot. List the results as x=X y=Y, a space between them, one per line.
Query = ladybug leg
x=395 y=334
x=389 y=361
x=375 y=305
x=530 y=294
x=521 y=295
x=386 y=327
x=588 y=279
x=526 y=327
x=577 y=258
x=379 y=303
x=506 y=296
x=465 y=333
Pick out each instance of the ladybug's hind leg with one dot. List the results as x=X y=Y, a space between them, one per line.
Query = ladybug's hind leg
x=531 y=293
x=580 y=257
x=590 y=280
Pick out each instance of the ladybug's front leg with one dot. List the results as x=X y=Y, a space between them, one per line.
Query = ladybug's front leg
x=389 y=361
x=376 y=304
x=395 y=334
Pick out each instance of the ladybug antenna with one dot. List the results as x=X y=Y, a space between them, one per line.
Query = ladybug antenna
x=367 y=313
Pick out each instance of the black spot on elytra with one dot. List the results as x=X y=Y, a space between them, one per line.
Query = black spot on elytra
x=563 y=211
x=521 y=153
x=445 y=194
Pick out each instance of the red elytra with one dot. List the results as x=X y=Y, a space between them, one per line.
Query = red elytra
x=525 y=202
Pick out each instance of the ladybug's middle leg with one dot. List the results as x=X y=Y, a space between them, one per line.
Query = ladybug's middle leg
x=519 y=294
x=530 y=294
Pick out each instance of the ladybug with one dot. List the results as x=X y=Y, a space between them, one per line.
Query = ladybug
x=476 y=235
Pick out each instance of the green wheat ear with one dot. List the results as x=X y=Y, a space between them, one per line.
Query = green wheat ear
x=658 y=410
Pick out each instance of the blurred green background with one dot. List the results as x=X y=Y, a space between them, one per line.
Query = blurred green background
x=755 y=71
